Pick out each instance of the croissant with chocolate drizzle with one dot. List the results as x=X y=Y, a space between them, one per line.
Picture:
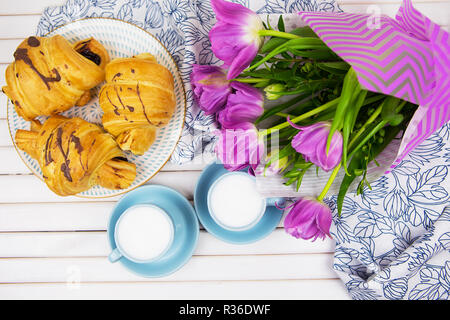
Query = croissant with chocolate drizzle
x=75 y=155
x=137 y=99
x=49 y=75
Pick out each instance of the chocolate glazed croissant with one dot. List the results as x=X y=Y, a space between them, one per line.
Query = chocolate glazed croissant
x=49 y=75
x=137 y=99
x=75 y=155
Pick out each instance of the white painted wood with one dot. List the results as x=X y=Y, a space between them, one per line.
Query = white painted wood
x=65 y=216
x=18 y=26
x=28 y=188
x=15 y=7
x=2 y=75
x=199 y=268
x=3 y=100
x=8 y=47
x=328 y=289
x=54 y=216
x=36 y=263
x=95 y=244
x=10 y=162
x=5 y=137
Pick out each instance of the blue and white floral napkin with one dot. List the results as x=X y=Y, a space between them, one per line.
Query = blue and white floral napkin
x=394 y=241
x=391 y=243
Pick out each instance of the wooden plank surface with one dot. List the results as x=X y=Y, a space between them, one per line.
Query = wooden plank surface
x=95 y=244
x=56 y=247
x=328 y=289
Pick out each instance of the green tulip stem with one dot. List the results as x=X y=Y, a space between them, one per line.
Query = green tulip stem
x=250 y=80
x=283 y=115
x=329 y=182
x=300 y=117
x=279 y=34
x=371 y=119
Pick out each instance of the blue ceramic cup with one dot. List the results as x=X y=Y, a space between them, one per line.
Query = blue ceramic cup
x=185 y=232
x=255 y=216
x=138 y=233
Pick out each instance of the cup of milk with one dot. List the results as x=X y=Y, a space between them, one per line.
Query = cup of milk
x=234 y=202
x=143 y=233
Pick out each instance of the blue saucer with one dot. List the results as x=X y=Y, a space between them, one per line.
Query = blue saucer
x=184 y=220
x=263 y=228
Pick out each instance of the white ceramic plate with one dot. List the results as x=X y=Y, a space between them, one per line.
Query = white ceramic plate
x=121 y=39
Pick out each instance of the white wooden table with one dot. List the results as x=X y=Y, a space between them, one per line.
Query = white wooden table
x=56 y=248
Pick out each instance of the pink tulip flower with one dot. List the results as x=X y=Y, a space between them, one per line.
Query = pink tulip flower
x=210 y=87
x=311 y=142
x=240 y=148
x=234 y=38
x=309 y=218
x=245 y=104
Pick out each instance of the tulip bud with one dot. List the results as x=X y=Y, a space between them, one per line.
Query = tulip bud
x=272 y=90
x=276 y=165
x=307 y=67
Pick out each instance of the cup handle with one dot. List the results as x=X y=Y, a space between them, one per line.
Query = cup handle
x=115 y=255
x=275 y=202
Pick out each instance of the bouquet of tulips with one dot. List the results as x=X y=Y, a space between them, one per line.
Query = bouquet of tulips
x=320 y=116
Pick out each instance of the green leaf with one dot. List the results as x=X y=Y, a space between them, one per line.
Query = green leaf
x=274 y=42
x=349 y=123
x=358 y=165
x=281 y=107
x=370 y=131
x=290 y=181
x=285 y=152
x=271 y=44
x=390 y=111
x=339 y=67
x=299 y=179
x=284 y=75
x=281 y=24
x=262 y=84
x=395 y=120
x=349 y=92
x=298 y=43
x=306 y=32
x=292 y=174
x=390 y=105
x=355 y=164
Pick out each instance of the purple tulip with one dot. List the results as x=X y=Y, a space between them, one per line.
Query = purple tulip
x=311 y=142
x=234 y=38
x=245 y=104
x=308 y=218
x=239 y=148
x=210 y=86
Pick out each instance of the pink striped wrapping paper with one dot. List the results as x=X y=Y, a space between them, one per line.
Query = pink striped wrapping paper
x=407 y=57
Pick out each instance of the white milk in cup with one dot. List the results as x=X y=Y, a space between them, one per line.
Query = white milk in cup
x=143 y=233
x=234 y=202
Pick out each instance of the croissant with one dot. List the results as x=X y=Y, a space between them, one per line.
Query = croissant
x=49 y=75
x=137 y=99
x=75 y=155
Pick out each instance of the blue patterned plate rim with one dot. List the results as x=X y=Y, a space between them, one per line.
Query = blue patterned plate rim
x=184 y=220
x=263 y=228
